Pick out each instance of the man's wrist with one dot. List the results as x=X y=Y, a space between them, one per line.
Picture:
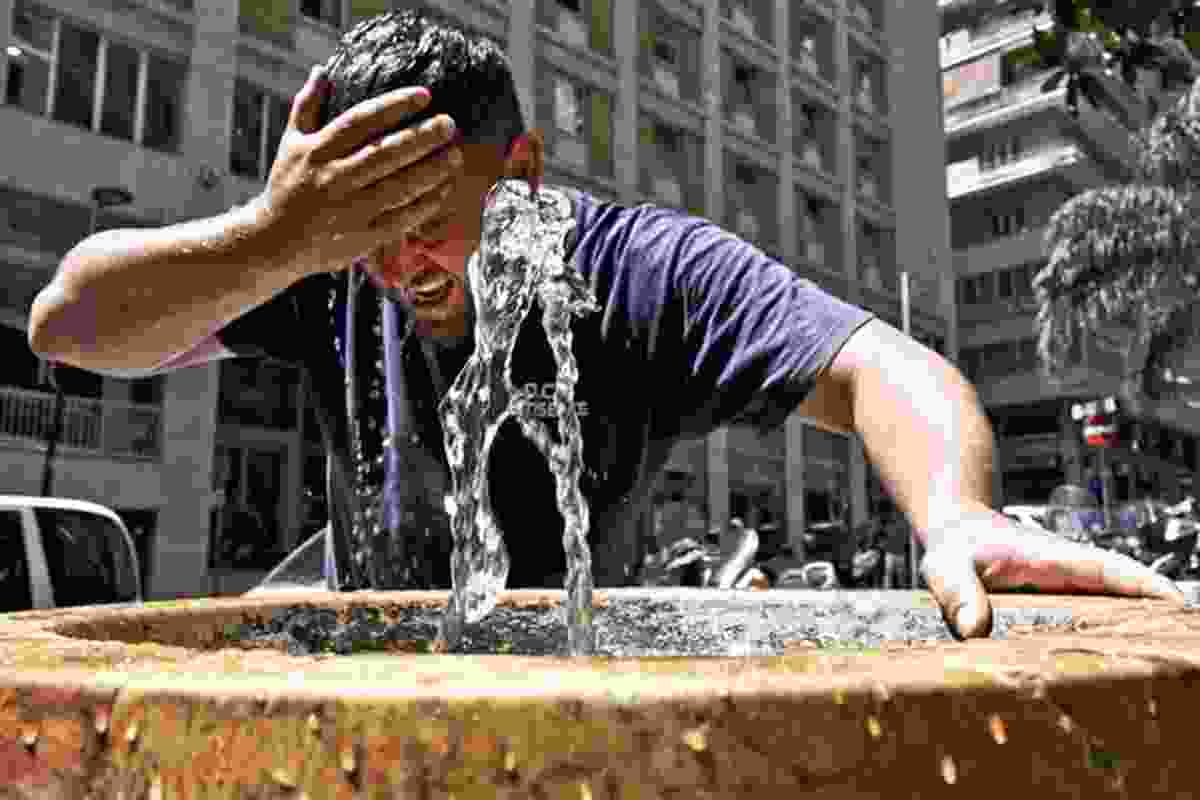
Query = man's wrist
x=262 y=244
x=950 y=524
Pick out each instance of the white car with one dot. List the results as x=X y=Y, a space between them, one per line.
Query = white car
x=60 y=552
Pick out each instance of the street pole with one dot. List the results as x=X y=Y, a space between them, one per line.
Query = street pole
x=1105 y=486
x=906 y=323
x=102 y=197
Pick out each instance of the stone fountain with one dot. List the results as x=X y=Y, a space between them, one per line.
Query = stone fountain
x=1082 y=697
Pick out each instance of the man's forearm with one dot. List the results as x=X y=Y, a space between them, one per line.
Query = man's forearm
x=129 y=299
x=922 y=427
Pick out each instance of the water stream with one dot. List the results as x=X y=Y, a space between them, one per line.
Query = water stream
x=522 y=258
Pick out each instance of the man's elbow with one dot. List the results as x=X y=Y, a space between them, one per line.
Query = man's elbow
x=47 y=332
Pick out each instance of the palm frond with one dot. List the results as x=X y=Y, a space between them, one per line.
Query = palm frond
x=1123 y=255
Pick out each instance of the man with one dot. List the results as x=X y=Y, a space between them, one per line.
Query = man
x=696 y=329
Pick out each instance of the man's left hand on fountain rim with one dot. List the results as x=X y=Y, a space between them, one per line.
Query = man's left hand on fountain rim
x=926 y=434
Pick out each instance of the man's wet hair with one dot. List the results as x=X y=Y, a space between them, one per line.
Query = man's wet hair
x=468 y=74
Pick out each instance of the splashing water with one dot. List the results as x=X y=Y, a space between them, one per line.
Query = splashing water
x=522 y=256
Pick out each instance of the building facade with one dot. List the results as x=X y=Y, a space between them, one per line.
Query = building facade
x=781 y=120
x=1014 y=155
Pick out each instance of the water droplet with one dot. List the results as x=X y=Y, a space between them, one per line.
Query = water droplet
x=1065 y=723
x=29 y=738
x=348 y=762
x=697 y=739
x=1152 y=707
x=314 y=723
x=283 y=778
x=874 y=728
x=510 y=761
x=997 y=727
x=101 y=721
x=131 y=733
x=881 y=692
x=949 y=771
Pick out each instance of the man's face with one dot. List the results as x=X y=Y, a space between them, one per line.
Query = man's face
x=430 y=265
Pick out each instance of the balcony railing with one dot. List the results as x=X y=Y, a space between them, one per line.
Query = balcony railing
x=1014 y=101
x=89 y=425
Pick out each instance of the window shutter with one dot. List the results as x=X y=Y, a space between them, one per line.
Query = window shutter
x=362 y=9
x=269 y=19
x=601 y=122
x=601 y=28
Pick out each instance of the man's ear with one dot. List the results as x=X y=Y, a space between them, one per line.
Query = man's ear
x=528 y=158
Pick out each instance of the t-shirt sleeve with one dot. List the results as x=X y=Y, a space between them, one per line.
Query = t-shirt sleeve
x=742 y=337
x=286 y=327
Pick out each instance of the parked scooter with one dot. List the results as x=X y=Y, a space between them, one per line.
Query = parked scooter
x=1181 y=538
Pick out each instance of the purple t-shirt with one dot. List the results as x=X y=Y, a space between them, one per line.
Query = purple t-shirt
x=695 y=329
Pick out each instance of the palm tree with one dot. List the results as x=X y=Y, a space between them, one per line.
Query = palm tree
x=1126 y=257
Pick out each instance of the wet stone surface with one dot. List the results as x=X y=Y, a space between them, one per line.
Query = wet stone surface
x=652 y=627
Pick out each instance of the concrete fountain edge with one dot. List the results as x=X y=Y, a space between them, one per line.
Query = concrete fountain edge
x=1100 y=707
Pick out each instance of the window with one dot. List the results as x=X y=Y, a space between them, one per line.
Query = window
x=743 y=79
x=15 y=591
x=327 y=11
x=1004 y=284
x=83 y=78
x=569 y=102
x=666 y=50
x=88 y=558
x=259 y=119
x=745 y=175
x=120 y=91
x=78 y=52
x=1000 y=153
x=670 y=140
x=1008 y=223
x=164 y=104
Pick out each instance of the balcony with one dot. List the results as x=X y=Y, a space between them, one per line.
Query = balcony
x=669 y=54
x=666 y=79
x=998 y=311
x=1001 y=253
x=744 y=17
x=808 y=153
x=965 y=178
x=118 y=430
x=965 y=45
x=571 y=26
x=749 y=108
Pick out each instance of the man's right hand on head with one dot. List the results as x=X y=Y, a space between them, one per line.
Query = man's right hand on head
x=338 y=192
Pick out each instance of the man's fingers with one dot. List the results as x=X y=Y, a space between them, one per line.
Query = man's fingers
x=404 y=187
x=1122 y=575
x=959 y=593
x=306 y=106
x=405 y=148
x=369 y=120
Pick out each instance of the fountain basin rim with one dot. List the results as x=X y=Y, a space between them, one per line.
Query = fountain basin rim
x=1109 y=636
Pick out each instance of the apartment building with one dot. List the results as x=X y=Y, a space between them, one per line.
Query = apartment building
x=1014 y=155
x=795 y=123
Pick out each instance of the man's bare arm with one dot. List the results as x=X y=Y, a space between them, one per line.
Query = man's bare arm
x=130 y=299
x=920 y=422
